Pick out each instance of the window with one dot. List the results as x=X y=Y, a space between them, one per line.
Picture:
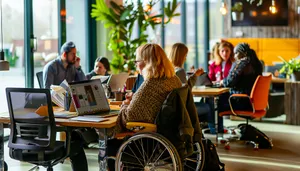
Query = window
x=13 y=37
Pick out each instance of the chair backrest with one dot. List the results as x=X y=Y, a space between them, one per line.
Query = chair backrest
x=39 y=76
x=260 y=92
x=32 y=120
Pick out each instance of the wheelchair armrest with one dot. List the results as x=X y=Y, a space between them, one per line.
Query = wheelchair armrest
x=240 y=96
x=141 y=127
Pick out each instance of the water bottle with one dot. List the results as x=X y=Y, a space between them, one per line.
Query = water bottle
x=218 y=78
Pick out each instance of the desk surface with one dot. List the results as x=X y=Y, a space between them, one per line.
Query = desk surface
x=208 y=91
x=111 y=122
x=279 y=80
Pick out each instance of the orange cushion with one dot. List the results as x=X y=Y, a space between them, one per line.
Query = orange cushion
x=256 y=114
x=123 y=134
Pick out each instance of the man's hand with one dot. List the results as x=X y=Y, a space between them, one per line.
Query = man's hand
x=77 y=62
x=199 y=72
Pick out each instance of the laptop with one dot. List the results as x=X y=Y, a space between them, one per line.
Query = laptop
x=116 y=81
x=89 y=99
x=204 y=80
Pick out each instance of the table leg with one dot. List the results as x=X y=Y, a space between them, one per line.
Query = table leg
x=102 y=156
x=1 y=147
x=216 y=117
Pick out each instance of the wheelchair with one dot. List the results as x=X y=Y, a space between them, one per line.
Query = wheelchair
x=149 y=151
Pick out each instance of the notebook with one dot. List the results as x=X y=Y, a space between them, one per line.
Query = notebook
x=89 y=99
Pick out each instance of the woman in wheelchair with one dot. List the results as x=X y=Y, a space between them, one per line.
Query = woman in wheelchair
x=160 y=80
x=241 y=78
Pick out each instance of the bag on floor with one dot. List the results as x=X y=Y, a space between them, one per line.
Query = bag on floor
x=212 y=161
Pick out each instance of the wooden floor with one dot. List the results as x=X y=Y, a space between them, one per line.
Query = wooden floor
x=285 y=156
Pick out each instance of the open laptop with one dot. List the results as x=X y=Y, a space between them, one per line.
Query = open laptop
x=204 y=80
x=89 y=99
x=116 y=81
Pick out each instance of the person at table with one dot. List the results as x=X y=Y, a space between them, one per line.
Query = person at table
x=65 y=67
x=241 y=78
x=160 y=80
x=102 y=67
x=178 y=56
x=222 y=61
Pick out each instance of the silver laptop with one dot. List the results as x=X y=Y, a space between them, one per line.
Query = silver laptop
x=116 y=81
x=89 y=98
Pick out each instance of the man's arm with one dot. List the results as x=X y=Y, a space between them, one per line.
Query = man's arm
x=80 y=76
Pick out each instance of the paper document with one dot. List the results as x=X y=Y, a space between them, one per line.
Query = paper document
x=88 y=119
x=58 y=93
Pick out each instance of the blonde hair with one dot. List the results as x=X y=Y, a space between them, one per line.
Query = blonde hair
x=215 y=54
x=228 y=45
x=157 y=65
x=178 y=54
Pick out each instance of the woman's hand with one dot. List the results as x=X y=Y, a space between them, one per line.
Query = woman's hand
x=199 y=72
x=128 y=96
x=125 y=102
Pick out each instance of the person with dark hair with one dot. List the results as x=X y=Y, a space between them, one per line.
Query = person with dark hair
x=65 y=67
x=241 y=78
x=102 y=67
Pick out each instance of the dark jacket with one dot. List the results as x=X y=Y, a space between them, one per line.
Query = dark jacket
x=242 y=76
x=178 y=121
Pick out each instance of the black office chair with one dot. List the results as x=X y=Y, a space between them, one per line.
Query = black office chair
x=39 y=76
x=33 y=129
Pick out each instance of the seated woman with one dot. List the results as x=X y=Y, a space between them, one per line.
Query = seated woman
x=102 y=67
x=160 y=80
x=223 y=57
x=222 y=60
x=178 y=57
x=241 y=78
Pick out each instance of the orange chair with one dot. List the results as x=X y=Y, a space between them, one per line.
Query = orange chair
x=259 y=102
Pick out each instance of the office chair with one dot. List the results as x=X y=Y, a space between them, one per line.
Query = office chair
x=259 y=102
x=33 y=129
x=39 y=76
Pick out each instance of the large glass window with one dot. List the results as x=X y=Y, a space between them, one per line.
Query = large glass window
x=45 y=25
x=76 y=31
x=190 y=33
x=172 y=31
x=13 y=37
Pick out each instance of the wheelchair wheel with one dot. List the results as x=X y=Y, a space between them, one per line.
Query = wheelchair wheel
x=147 y=152
x=196 y=161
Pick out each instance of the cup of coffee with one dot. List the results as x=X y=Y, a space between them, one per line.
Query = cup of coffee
x=119 y=96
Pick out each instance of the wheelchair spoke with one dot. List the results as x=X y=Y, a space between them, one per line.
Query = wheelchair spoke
x=140 y=152
x=190 y=167
x=135 y=155
x=153 y=151
x=160 y=155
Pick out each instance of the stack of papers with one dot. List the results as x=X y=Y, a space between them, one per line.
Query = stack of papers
x=101 y=77
x=88 y=119
x=58 y=93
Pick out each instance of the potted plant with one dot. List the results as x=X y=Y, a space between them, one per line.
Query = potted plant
x=237 y=11
x=291 y=68
x=120 y=20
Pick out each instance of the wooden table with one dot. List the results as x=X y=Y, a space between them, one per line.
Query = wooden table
x=279 y=80
x=208 y=91
x=65 y=122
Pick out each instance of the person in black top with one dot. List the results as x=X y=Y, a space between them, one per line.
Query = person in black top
x=102 y=67
x=241 y=78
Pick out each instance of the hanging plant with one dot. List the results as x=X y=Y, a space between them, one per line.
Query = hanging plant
x=120 y=19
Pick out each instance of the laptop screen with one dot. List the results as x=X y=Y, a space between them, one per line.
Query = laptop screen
x=89 y=97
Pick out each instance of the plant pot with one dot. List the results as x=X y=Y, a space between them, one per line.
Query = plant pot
x=295 y=76
x=237 y=16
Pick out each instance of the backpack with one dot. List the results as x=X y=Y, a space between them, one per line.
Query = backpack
x=212 y=161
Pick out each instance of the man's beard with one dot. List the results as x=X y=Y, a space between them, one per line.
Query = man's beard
x=70 y=62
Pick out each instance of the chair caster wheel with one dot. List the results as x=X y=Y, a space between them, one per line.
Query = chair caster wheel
x=223 y=141
x=227 y=147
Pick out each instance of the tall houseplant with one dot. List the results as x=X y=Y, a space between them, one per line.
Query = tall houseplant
x=120 y=20
x=291 y=68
